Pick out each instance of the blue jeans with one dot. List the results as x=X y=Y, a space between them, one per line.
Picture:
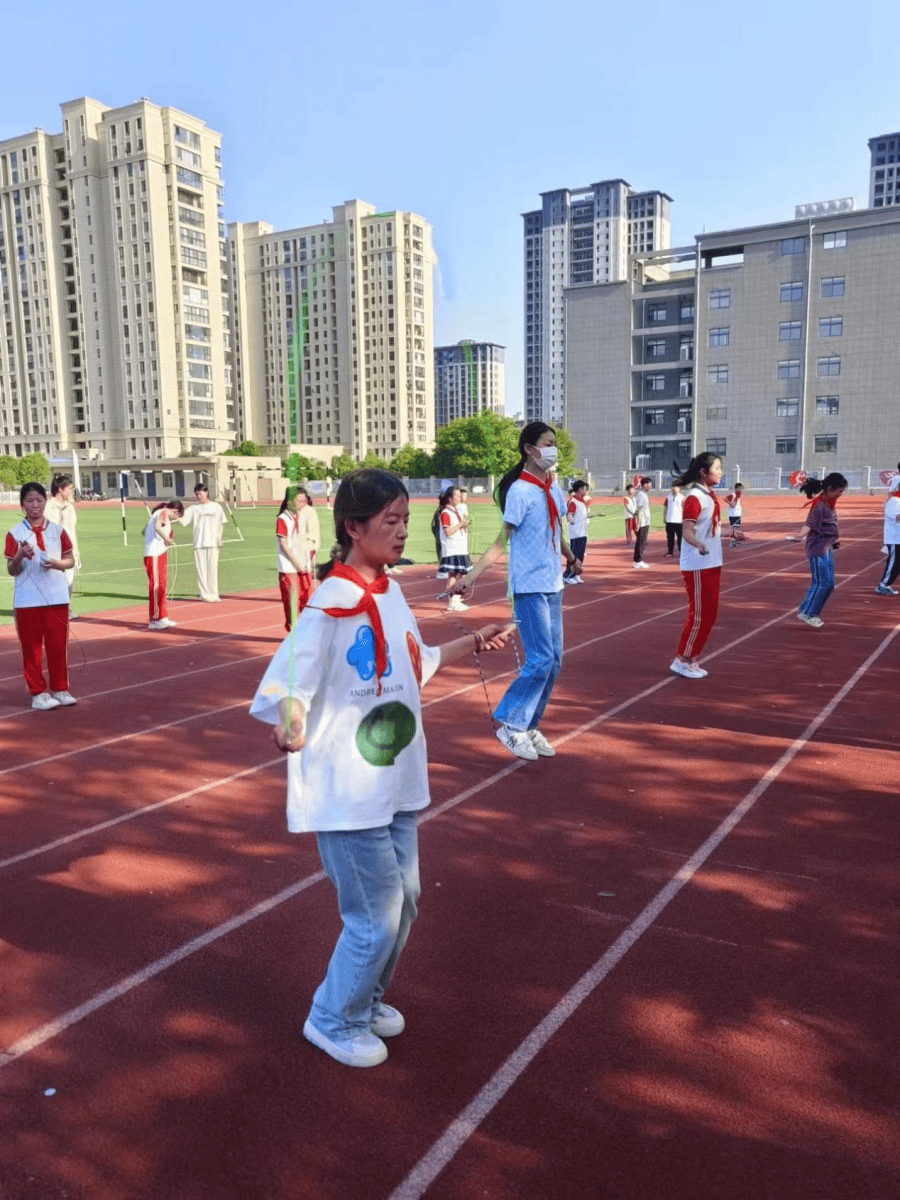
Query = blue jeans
x=822 y=568
x=539 y=617
x=375 y=873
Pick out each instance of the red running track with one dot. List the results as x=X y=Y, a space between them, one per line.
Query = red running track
x=661 y=964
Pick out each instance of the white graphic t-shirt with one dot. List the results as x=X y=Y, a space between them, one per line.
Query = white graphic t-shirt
x=365 y=758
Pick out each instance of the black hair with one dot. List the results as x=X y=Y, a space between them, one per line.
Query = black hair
x=629 y=487
x=289 y=495
x=646 y=479
x=59 y=482
x=528 y=437
x=812 y=487
x=447 y=495
x=27 y=488
x=173 y=504
x=201 y=487
x=700 y=462
x=578 y=483
x=362 y=495
x=738 y=485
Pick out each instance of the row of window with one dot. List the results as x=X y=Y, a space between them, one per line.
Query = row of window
x=788 y=368
x=788 y=331
x=830 y=241
x=826 y=443
x=788 y=293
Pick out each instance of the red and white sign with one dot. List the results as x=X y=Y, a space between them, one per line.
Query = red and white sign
x=796 y=478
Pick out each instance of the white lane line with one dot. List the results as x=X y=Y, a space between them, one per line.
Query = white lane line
x=447 y=1146
x=467 y=1122
x=138 y=812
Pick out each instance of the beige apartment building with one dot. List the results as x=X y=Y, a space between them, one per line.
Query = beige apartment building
x=113 y=273
x=333 y=329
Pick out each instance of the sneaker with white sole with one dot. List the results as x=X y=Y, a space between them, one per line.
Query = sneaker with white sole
x=442 y=575
x=456 y=605
x=157 y=625
x=364 y=1050
x=641 y=566
x=540 y=743
x=167 y=623
x=688 y=669
x=517 y=741
x=884 y=590
x=63 y=698
x=386 y=1021
x=44 y=701
x=816 y=622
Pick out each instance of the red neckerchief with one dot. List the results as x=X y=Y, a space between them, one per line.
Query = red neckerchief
x=367 y=605
x=39 y=532
x=819 y=499
x=545 y=488
x=897 y=493
x=716 y=514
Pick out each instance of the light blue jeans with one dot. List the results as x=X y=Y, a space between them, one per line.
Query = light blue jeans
x=375 y=873
x=822 y=570
x=539 y=618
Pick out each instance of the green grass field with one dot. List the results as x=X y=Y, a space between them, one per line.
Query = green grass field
x=113 y=575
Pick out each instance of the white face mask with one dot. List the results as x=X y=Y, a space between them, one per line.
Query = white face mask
x=547 y=458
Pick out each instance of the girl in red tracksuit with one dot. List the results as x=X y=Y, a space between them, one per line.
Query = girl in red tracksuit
x=158 y=537
x=701 y=560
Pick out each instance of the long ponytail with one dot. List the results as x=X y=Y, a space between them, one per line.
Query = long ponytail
x=701 y=462
x=528 y=437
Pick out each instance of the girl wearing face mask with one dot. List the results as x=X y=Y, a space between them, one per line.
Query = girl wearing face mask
x=534 y=523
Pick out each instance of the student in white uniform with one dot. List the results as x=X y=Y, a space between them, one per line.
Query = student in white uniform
x=158 y=537
x=297 y=539
x=61 y=511
x=206 y=519
x=453 y=527
x=343 y=695
x=577 y=520
x=891 y=541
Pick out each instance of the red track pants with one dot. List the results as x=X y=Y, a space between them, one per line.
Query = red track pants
x=155 y=567
x=703 y=608
x=39 y=629
x=296 y=588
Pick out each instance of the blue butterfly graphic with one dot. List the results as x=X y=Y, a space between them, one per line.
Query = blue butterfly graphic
x=361 y=654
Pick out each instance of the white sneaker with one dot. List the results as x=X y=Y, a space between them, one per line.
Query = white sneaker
x=578 y=579
x=364 y=1050
x=816 y=622
x=386 y=1021
x=641 y=566
x=688 y=670
x=157 y=625
x=442 y=575
x=44 y=701
x=884 y=590
x=569 y=579
x=167 y=623
x=540 y=743
x=456 y=605
x=516 y=741
x=64 y=698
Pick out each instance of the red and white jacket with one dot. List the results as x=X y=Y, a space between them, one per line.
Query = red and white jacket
x=701 y=506
x=35 y=587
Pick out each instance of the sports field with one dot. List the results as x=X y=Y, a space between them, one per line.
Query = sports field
x=661 y=965
x=113 y=573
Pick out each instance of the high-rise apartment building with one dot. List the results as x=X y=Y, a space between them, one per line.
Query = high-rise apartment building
x=114 y=286
x=583 y=236
x=884 y=171
x=468 y=377
x=333 y=331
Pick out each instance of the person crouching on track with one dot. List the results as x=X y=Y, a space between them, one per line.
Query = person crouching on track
x=158 y=537
x=357 y=765
x=38 y=553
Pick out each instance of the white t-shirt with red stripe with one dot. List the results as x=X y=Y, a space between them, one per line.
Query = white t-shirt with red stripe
x=701 y=507
x=577 y=516
x=288 y=527
x=35 y=587
x=452 y=543
x=154 y=546
x=891 y=522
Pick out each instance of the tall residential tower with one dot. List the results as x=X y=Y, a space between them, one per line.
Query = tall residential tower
x=584 y=236
x=336 y=320
x=468 y=377
x=114 y=289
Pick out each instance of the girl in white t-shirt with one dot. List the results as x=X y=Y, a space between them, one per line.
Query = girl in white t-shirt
x=630 y=510
x=453 y=528
x=343 y=695
x=297 y=541
x=701 y=559
x=891 y=541
x=158 y=537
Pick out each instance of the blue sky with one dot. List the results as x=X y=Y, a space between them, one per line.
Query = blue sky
x=465 y=112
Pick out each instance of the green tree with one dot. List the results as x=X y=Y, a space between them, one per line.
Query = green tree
x=342 y=465
x=486 y=444
x=411 y=462
x=372 y=460
x=9 y=471
x=303 y=468
x=244 y=450
x=33 y=467
x=568 y=452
